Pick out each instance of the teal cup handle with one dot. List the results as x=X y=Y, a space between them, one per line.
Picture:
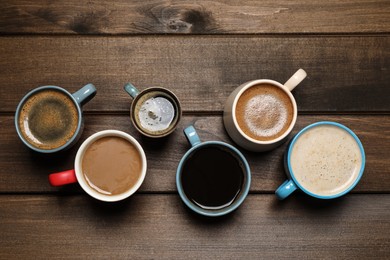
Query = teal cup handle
x=192 y=136
x=85 y=94
x=285 y=189
x=131 y=90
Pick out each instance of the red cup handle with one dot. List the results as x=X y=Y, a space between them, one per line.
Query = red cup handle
x=62 y=178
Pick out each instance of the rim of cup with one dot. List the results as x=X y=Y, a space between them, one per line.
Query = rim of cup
x=349 y=131
x=78 y=166
x=22 y=102
x=277 y=84
x=220 y=212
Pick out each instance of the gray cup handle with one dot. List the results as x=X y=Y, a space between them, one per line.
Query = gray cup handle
x=85 y=94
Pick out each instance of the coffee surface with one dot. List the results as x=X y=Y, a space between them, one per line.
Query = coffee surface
x=212 y=177
x=48 y=119
x=155 y=113
x=326 y=160
x=111 y=165
x=264 y=112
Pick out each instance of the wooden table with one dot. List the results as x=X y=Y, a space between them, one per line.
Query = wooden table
x=201 y=50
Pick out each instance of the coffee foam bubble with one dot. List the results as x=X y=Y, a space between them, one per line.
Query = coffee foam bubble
x=326 y=160
x=264 y=112
x=265 y=115
x=156 y=114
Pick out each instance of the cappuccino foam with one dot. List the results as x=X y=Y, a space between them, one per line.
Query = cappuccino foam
x=326 y=160
x=264 y=112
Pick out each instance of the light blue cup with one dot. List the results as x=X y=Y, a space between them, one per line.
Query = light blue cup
x=80 y=97
x=292 y=184
x=196 y=144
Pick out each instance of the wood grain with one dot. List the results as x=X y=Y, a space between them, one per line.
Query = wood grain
x=189 y=17
x=344 y=73
x=23 y=171
x=159 y=226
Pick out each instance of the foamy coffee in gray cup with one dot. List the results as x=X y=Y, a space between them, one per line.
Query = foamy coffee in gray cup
x=49 y=119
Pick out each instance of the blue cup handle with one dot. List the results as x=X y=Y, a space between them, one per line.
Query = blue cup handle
x=285 y=189
x=192 y=136
x=85 y=94
x=131 y=90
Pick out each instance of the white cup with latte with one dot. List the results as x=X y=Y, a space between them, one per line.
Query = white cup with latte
x=325 y=160
x=260 y=114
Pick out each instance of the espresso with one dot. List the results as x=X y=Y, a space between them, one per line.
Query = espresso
x=111 y=165
x=156 y=113
x=326 y=160
x=212 y=177
x=264 y=112
x=48 y=119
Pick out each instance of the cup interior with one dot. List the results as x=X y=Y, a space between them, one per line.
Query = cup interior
x=152 y=93
x=251 y=84
x=237 y=201
x=290 y=171
x=30 y=95
x=79 y=159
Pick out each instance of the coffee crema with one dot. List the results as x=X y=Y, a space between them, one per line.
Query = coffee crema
x=155 y=113
x=264 y=112
x=111 y=165
x=48 y=119
x=326 y=160
x=212 y=177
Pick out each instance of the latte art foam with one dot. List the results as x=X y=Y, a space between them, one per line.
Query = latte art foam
x=264 y=112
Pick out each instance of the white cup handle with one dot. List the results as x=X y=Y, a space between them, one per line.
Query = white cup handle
x=295 y=79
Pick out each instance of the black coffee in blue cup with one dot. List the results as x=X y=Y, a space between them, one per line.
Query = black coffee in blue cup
x=213 y=178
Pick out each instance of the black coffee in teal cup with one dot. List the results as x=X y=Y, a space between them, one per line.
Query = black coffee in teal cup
x=49 y=119
x=213 y=178
x=325 y=160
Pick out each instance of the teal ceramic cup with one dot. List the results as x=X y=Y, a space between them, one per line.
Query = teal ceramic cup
x=49 y=119
x=213 y=178
x=325 y=160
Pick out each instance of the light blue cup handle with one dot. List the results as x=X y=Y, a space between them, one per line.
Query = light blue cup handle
x=192 y=136
x=85 y=94
x=131 y=90
x=285 y=189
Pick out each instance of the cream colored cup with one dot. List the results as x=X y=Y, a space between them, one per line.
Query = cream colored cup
x=76 y=175
x=230 y=121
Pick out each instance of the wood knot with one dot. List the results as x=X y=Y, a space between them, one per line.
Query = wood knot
x=178 y=19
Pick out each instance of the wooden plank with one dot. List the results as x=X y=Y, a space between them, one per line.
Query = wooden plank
x=159 y=226
x=25 y=171
x=188 y=17
x=344 y=73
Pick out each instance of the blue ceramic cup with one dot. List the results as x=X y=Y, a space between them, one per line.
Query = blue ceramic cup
x=325 y=160
x=213 y=178
x=49 y=119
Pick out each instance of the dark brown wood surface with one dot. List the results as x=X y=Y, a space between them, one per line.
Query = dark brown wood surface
x=344 y=73
x=158 y=226
x=200 y=17
x=202 y=51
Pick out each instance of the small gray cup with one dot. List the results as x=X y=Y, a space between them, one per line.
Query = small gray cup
x=55 y=108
